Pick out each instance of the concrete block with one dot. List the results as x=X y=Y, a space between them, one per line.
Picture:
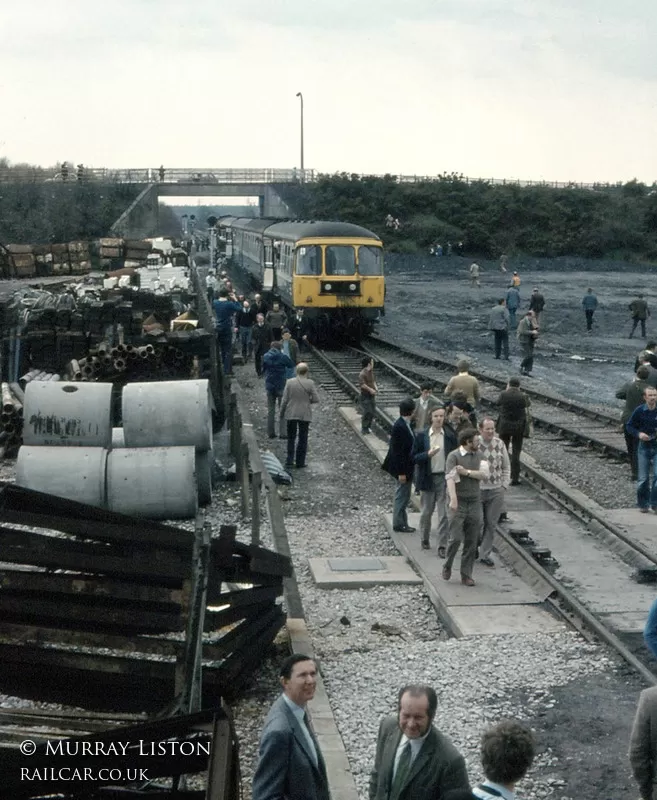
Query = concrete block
x=355 y=573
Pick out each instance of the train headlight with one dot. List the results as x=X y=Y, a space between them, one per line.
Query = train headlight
x=352 y=287
x=327 y=287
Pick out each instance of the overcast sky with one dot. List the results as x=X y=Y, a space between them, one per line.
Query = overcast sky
x=536 y=89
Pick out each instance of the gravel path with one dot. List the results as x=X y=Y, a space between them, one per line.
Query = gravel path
x=602 y=479
x=557 y=683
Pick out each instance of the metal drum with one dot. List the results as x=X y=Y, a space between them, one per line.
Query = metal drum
x=59 y=413
x=118 y=439
x=76 y=473
x=167 y=414
x=155 y=482
x=204 y=476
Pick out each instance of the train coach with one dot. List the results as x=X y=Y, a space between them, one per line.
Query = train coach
x=331 y=270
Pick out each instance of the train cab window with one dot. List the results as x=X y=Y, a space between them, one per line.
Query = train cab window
x=340 y=260
x=309 y=261
x=370 y=260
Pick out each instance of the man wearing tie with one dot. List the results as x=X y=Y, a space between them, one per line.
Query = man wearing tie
x=291 y=765
x=414 y=761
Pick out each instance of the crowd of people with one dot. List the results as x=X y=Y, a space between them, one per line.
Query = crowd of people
x=414 y=760
x=275 y=342
x=460 y=466
x=507 y=316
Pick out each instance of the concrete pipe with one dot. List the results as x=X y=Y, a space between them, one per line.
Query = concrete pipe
x=204 y=476
x=76 y=473
x=64 y=413
x=154 y=482
x=118 y=440
x=167 y=414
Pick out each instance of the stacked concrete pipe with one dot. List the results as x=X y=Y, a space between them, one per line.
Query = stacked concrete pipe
x=158 y=465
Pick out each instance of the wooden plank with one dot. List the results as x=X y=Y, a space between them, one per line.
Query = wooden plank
x=240 y=636
x=55 y=554
x=228 y=680
x=83 y=586
x=18 y=498
x=87 y=616
x=221 y=783
x=43 y=635
x=261 y=556
x=103 y=718
x=245 y=597
x=148 y=534
x=216 y=620
x=86 y=662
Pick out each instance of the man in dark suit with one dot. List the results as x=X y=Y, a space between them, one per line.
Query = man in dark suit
x=399 y=463
x=513 y=405
x=432 y=446
x=291 y=765
x=414 y=761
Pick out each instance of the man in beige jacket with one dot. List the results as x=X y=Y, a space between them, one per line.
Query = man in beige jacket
x=464 y=382
x=643 y=744
x=299 y=394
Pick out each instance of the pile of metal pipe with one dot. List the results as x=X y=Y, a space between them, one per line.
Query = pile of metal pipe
x=125 y=361
x=12 y=418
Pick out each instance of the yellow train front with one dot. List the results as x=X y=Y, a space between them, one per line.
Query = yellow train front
x=331 y=270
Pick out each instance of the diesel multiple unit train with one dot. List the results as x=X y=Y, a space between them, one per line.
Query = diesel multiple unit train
x=331 y=270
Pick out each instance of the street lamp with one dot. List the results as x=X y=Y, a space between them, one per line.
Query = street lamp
x=300 y=96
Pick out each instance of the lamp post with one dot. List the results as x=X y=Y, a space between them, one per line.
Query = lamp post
x=300 y=96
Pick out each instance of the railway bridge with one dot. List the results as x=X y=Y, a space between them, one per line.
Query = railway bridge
x=141 y=217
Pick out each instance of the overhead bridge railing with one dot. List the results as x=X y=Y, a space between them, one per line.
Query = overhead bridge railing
x=210 y=175
x=192 y=175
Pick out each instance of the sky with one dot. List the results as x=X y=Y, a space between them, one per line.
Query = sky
x=558 y=90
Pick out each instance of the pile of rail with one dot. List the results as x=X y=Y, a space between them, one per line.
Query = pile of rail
x=103 y=609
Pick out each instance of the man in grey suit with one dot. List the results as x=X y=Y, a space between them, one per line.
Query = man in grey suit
x=299 y=395
x=643 y=744
x=291 y=765
x=414 y=761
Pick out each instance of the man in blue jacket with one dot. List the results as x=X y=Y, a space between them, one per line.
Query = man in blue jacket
x=224 y=310
x=432 y=446
x=513 y=304
x=399 y=463
x=643 y=425
x=275 y=365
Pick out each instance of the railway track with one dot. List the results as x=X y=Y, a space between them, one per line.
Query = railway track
x=580 y=424
x=625 y=561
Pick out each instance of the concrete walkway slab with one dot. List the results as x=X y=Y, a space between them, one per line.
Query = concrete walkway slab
x=343 y=573
x=642 y=528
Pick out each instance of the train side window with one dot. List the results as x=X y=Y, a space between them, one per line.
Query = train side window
x=340 y=260
x=370 y=260
x=309 y=260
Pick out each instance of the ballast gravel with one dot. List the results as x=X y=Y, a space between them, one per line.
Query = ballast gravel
x=576 y=696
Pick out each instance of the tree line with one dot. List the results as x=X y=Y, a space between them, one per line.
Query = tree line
x=617 y=222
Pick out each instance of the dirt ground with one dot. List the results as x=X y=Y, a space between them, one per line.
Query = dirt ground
x=430 y=303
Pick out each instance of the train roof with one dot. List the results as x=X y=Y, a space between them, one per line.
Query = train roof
x=319 y=228
x=300 y=229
